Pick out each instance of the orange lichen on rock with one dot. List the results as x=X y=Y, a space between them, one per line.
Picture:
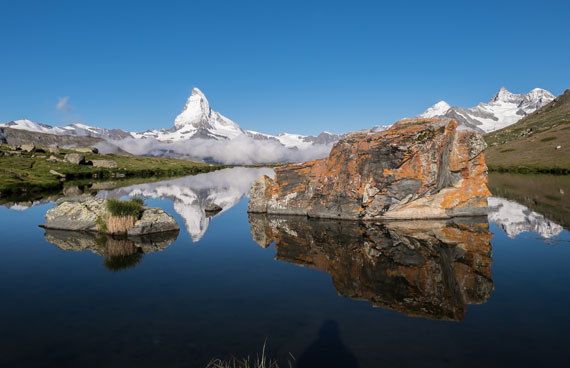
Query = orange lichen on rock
x=417 y=169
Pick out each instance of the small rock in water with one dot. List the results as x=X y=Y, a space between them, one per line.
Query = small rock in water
x=72 y=191
x=212 y=207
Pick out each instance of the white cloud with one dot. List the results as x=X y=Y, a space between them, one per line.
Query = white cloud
x=62 y=104
x=238 y=151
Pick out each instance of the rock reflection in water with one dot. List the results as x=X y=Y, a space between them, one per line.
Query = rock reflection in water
x=118 y=253
x=429 y=269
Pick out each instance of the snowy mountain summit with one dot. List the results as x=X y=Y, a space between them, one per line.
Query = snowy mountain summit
x=198 y=119
x=503 y=109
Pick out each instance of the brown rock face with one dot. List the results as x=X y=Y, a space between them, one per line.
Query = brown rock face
x=428 y=269
x=415 y=170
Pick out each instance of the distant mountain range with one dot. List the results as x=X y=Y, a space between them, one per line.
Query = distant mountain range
x=197 y=121
x=200 y=133
x=503 y=109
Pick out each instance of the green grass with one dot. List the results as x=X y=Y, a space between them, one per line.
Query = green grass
x=28 y=174
x=131 y=207
x=548 y=139
x=508 y=150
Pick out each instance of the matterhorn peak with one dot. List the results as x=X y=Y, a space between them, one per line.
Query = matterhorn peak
x=197 y=108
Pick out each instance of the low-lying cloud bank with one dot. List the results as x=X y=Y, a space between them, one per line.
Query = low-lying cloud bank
x=238 y=151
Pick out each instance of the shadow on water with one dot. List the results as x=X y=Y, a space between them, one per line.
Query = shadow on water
x=118 y=253
x=428 y=269
x=328 y=350
x=548 y=195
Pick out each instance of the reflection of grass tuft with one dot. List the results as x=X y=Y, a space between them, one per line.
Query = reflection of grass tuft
x=121 y=254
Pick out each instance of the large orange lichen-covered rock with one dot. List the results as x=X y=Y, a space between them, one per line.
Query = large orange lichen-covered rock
x=417 y=169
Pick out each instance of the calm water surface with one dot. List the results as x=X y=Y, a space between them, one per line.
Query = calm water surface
x=328 y=293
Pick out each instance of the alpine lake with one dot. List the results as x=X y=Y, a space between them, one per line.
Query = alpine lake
x=492 y=291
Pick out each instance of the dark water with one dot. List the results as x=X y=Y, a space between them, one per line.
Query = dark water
x=469 y=292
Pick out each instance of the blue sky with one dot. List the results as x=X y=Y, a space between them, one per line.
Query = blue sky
x=273 y=66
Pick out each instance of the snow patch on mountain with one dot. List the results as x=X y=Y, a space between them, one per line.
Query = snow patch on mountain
x=438 y=109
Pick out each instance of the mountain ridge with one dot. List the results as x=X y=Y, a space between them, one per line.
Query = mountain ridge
x=503 y=109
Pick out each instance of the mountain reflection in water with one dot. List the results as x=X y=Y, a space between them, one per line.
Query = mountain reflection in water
x=190 y=194
x=118 y=253
x=429 y=269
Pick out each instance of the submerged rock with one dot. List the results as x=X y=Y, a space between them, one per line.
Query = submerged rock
x=87 y=214
x=417 y=169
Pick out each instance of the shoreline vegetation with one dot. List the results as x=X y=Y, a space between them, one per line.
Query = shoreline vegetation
x=24 y=172
x=528 y=169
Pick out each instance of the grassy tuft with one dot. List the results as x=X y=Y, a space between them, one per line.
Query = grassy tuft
x=260 y=362
x=548 y=139
x=120 y=208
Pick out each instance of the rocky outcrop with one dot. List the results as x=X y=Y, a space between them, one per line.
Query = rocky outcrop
x=87 y=214
x=108 y=164
x=75 y=158
x=424 y=169
x=429 y=268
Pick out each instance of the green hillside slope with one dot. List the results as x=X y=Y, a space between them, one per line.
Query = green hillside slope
x=540 y=142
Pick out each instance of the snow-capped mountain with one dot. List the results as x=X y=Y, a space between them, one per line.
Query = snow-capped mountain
x=190 y=194
x=503 y=109
x=199 y=122
x=515 y=218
